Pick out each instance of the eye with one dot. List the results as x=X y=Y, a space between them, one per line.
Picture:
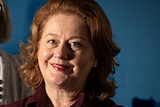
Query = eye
x=51 y=43
x=75 y=45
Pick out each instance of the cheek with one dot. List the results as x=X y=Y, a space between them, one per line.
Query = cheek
x=83 y=68
x=85 y=63
x=43 y=55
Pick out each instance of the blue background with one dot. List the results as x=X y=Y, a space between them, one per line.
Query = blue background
x=136 y=26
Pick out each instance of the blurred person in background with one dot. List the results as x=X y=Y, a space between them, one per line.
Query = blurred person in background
x=12 y=86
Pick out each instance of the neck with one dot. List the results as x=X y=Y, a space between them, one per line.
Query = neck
x=61 y=97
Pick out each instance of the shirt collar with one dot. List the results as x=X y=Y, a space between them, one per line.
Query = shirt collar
x=79 y=101
x=40 y=97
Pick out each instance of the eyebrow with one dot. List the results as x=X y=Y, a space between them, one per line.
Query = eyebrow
x=78 y=37
x=73 y=37
x=51 y=34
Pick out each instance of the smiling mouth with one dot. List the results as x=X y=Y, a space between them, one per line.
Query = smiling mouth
x=60 y=67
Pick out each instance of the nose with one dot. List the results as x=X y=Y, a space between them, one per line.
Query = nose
x=62 y=52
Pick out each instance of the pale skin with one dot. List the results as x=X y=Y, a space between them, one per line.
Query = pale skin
x=65 y=58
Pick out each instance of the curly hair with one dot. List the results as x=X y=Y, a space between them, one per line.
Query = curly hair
x=105 y=48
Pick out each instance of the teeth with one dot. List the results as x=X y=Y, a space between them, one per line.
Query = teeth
x=59 y=66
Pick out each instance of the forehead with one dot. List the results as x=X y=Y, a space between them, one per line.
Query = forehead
x=65 y=22
x=66 y=27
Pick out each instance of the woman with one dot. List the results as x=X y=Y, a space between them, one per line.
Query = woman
x=12 y=86
x=69 y=56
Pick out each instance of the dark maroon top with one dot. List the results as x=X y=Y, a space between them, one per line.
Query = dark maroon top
x=40 y=99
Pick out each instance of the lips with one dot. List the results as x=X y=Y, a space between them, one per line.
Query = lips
x=60 y=67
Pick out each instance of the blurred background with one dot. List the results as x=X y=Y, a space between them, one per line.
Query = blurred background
x=136 y=26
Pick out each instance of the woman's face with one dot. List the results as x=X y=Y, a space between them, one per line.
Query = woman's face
x=65 y=55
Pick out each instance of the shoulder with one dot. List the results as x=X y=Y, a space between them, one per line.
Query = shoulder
x=107 y=103
x=100 y=103
x=38 y=99
x=29 y=101
x=18 y=103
